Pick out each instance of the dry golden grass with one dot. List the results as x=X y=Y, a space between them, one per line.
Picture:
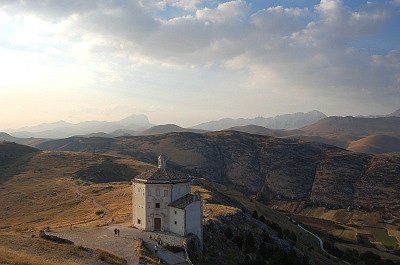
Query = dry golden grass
x=43 y=191
x=143 y=253
x=109 y=258
x=216 y=211
x=8 y=256
x=20 y=250
x=395 y=233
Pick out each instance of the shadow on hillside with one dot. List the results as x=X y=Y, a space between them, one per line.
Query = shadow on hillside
x=107 y=171
x=13 y=166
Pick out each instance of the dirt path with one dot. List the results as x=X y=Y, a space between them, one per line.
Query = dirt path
x=104 y=238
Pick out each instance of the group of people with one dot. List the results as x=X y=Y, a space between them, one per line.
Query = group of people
x=116 y=231
x=159 y=243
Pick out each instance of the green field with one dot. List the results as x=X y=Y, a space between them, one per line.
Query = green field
x=381 y=235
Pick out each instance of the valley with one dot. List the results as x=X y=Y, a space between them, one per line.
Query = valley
x=45 y=190
x=348 y=199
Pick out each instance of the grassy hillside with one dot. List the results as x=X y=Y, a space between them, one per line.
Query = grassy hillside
x=168 y=128
x=353 y=125
x=41 y=189
x=364 y=135
x=376 y=144
x=260 y=130
x=27 y=250
x=273 y=169
x=52 y=189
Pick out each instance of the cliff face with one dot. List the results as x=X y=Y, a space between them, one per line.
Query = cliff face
x=271 y=168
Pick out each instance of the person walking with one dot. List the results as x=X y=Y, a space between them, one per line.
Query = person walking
x=118 y=232
x=155 y=249
x=115 y=231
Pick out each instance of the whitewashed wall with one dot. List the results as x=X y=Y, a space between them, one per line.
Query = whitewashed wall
x=194 y=219
x=178 y=216
x=138 y=205
x=158 y=193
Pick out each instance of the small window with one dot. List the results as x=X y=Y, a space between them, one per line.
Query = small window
x=175 y=212
x=175 y=222
x=138 y=221
x=157 y=205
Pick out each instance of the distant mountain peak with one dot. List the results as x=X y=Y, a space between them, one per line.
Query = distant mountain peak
x=396 y=113
x=136 y=118
x=284 y=121
x=317 y=112
x=63 y=129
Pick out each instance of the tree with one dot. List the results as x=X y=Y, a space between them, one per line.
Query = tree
x=228 y=233
x=265 y=236
x=262 y=218
x=249 y=243
x=238 y=239
x=254 y=214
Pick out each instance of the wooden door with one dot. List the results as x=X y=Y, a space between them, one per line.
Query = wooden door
x=157 y=224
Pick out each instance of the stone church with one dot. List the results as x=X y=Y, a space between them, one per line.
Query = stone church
x=162 y=201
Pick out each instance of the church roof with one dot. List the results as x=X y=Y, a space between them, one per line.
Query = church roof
x=183 y=202
x=163 y=175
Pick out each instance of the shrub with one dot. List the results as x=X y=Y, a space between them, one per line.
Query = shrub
x=99 y=212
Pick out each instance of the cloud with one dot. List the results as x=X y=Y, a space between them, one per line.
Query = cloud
x=339 y=23
x=279 y=20
x=189 y=5
x=223 y=13
x=286 y=49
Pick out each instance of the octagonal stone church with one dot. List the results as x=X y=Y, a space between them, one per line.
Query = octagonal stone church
x=162 y=201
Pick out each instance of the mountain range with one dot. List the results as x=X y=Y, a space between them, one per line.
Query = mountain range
x=286 y=121
x=140 y=125
x=360 y=134
x=62 y=129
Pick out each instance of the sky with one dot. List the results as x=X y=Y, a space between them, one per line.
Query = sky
x=191 y=61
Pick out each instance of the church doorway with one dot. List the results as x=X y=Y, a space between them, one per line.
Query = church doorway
x=157 y=224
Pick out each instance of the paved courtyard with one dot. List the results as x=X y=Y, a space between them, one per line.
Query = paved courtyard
x=122 y=245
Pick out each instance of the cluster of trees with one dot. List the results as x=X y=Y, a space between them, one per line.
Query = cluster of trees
x=258 y=253
x=354 y=257
x=286 y=234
